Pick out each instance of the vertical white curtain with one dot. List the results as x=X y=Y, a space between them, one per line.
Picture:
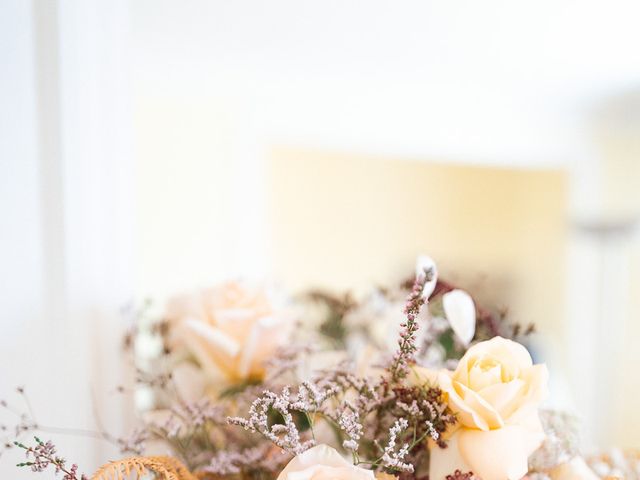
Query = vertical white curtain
x=67 y=209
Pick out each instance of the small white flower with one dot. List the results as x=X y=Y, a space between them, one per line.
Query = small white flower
x=461 y=313
x=424 y=264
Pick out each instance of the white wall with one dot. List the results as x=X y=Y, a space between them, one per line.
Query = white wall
x=21 y=248
x=494 y=81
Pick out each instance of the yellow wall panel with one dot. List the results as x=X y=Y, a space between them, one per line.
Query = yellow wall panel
x=347 y=221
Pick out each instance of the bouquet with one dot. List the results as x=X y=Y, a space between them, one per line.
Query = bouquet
x=416 y=382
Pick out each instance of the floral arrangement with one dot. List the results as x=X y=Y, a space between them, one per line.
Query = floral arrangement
x=414 y=382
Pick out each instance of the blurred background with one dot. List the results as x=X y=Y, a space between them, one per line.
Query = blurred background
x=149 y=146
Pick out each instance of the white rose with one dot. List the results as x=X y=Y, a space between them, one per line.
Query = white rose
x=323 y=463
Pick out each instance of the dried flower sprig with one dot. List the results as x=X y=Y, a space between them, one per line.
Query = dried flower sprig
x=199 y=412
x=360 y=412
x=392 y=459
x=417 y=414
x=285 y=435
x=349 y=423
x=43 y=456
x=404 y=356
x=338 y=306
x=135 y=442
x=187 y=428
x=423 y=405
x=285 y=361
x=359 y=409
x=26 y=423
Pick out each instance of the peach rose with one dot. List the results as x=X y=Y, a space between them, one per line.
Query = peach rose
x=495 y=392
x=230 y=329
x=323 y=463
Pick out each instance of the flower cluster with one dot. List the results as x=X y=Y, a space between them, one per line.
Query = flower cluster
x=445 y=320
x=349 y=423
x=285 y=434
x=412 y=381
x=382 y=421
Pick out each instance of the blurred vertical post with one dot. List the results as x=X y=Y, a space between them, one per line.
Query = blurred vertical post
x=87 y=207
x=602 y=319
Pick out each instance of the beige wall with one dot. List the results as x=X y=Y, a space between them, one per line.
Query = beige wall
x=347 y=221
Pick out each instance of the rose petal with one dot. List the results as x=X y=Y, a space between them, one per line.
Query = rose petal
x=500 y=454
x=263 y=334
x=504 y=397
x=461 y=313
x=306 y=465
x=507 y=352
x=537 y=378
x=318 y=455
x=479 y=405
x=214 y=336
x=215 y=362
x=526 y=413
x=467 y=416
x=322 y=472
x=442 y=378
x=445 y=461
x=480 y=378
x=527 y=417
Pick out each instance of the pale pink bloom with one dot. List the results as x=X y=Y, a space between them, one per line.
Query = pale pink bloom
x=231 y=329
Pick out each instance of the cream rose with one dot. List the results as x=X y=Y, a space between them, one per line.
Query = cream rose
x=323 y=463
x=231 y=329
x=495 y=392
